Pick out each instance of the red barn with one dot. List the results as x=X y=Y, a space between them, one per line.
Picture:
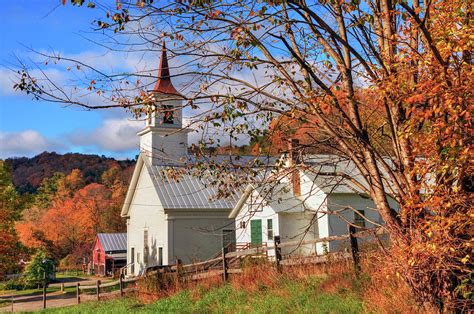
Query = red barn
x=109 y=253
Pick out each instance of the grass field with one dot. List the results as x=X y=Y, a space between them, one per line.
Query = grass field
x=301 y=296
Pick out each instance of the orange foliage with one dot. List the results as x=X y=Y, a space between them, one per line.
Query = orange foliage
x=26 y=233
x=76 y=214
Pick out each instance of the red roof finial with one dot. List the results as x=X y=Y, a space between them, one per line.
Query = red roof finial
x=163 y=84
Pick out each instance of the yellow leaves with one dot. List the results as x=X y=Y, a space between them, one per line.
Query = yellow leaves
x=411 y=262
x=465 y=259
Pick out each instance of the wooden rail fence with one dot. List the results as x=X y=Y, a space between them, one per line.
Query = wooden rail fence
x=230 y=263
x=99 y=285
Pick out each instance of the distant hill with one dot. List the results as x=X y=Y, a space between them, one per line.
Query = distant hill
x=28 y=173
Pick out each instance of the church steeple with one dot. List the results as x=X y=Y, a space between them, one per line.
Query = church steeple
x=163 y=84
x=164 y=140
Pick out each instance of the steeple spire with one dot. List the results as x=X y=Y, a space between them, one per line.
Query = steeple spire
x=163 y=84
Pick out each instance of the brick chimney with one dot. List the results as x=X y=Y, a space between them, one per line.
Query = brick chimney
x=294 y=157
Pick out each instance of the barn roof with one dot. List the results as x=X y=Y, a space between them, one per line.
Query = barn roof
x=113 y=241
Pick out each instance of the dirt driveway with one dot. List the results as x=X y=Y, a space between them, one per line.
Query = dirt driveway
x=34 y=302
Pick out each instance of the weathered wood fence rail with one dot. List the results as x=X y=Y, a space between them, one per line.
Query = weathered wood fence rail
x=99 y=285
x=229 y=262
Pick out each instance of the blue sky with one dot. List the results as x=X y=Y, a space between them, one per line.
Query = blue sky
x=28 y=127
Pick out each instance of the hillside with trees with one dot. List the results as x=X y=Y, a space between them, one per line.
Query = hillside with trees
x=29 y=173
x=56 y=204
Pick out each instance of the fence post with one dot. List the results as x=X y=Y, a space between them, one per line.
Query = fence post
x=354 y=249
x=98 y=290
x=225 y=274
x=121 y=285
x=277 y=241
x=178 y=268
x=44 y=289
x=62 y=286
x=78 y=293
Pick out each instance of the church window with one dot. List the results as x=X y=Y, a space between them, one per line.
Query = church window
x=132 y=260
x=145 y=246
x=160 y=256
x=168 y=114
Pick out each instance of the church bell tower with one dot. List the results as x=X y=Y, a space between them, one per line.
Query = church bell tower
x=163 y=140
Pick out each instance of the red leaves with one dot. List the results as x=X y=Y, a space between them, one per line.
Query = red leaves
x=415 y=99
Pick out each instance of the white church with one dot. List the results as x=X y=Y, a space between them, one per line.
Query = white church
x=169 y=217
x=172 y=214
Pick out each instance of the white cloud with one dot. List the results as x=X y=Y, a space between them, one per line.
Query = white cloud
x=204 y=131
x=114 y=135
x=7 y=80
x=26 y=143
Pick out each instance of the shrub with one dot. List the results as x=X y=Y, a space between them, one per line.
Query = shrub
x=41 y=266
x=14 y=284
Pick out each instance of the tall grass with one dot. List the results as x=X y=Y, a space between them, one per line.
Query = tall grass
x=327 y=288
x=282 y=296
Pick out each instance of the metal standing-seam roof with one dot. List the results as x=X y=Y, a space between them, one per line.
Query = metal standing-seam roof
x=187 y=191
x=113 y=241
x=330 y=174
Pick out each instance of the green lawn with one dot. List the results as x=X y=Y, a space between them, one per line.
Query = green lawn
x=288 y=296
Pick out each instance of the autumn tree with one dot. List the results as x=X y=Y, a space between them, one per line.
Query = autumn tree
x=116 y=181
x=68 y=185
x=334 y=65
x=10 y=209
x=66 y=214
x=72 y=223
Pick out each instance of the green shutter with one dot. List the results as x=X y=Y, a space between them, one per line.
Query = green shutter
x=256 y=232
